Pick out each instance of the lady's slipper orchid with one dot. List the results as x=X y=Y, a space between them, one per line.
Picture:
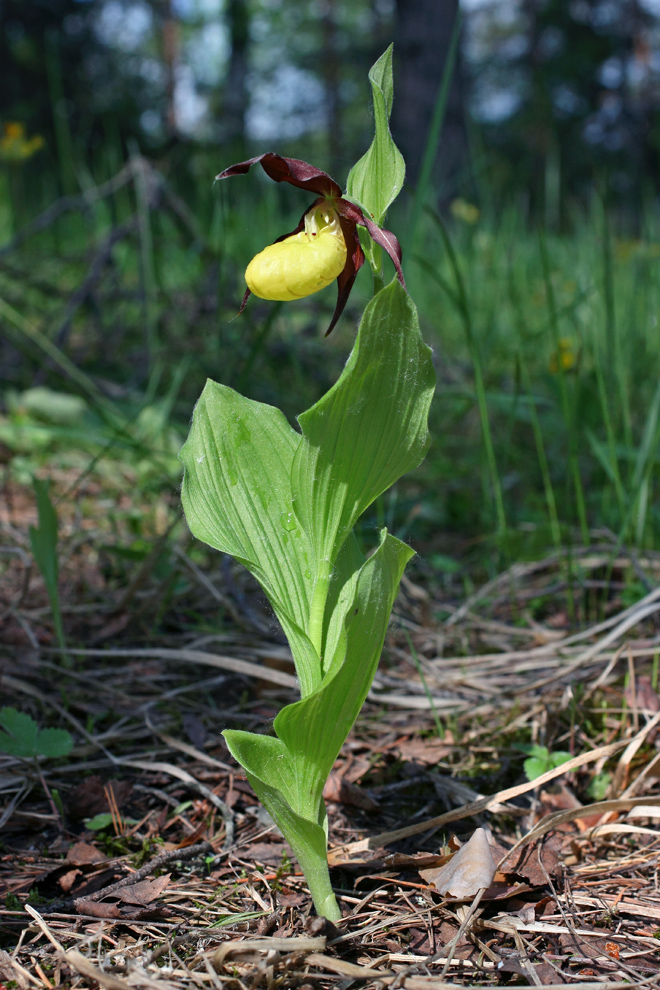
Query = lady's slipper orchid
x=324 y=246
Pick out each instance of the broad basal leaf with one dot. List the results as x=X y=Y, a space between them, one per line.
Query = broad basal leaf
x=368 y=430
x=313 y=730
x=270 y=770
x=308 y=838
x=237 y=498
x=288 y=771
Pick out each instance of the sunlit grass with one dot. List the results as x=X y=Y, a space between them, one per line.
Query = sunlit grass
x=547 y=419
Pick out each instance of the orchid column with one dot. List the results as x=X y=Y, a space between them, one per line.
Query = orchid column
x=284 y=503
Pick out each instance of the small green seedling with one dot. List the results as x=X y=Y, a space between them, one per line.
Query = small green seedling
x=285 y=502
x=541 y=760
x=23 y=738
x=100 y=822
x=599 y=786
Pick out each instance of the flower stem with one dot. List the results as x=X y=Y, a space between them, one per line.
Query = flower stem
x=322 y=893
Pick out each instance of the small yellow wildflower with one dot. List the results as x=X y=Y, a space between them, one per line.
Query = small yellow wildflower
x=467 y=212
x=564 y=358
x=14 y=146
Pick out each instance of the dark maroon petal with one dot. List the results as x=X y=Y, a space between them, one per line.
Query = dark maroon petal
x=354 y=262
x=291 y=170
x=385 y=238
x=241 y=169
x=344 y=286
x=350 y=211
x=245 y=299
x=353 y=246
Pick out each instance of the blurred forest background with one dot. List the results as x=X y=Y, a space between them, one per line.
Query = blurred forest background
x=529 y=223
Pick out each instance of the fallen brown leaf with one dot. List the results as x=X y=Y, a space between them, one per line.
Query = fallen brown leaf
x=425 y=751
x=67 y=880
x=98 y=909
x=525 y=861
x=470 y=869
x=145 y=891
x=82 y=853
x=643 y=697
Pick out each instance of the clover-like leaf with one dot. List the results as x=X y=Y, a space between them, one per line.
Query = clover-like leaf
x=23 y=738
x=20 y=735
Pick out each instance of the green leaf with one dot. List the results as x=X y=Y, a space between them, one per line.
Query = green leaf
x=23 y=737
x=43 y=539
x=105 y=820
x=52 y=743
x=314 y=729
x=237 y=498
x=376 y=179
x=599 y=786
x=20 y=737
x=61 y=408
x=99 y=822
x=340 y=598
x=541 y=760
x=534 y=767
x=368 y=430
x=288 y=772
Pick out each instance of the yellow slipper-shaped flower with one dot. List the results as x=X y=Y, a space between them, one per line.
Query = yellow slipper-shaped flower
x=324 y=246
x=300 y=264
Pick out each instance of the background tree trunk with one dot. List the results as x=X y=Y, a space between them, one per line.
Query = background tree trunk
x=423 y=34
x=235 y=99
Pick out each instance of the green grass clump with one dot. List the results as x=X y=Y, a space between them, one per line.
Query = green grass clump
x=546 y=423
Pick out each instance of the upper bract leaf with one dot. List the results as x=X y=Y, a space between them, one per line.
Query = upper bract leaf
x=376 y=179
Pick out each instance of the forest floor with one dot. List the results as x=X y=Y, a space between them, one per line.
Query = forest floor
x=143 y=859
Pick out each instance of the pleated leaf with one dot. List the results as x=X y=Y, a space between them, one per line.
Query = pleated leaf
x=340 y=597
x=237 y=498
x=311 y=732
x=315 y=728
x=368 y=430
